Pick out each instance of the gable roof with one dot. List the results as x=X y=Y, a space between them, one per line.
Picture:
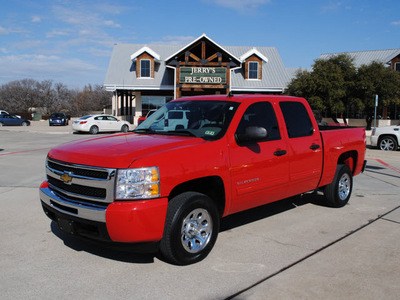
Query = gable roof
x=121 y=73
x=367 y=57
x=203 y=36
x=145 y=49
x=251 y=52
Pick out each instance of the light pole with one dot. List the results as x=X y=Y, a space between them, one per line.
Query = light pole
x=376 y=105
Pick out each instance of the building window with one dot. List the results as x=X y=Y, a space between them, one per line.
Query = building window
x=253 y=70
x=145 y=68
x=397 y=66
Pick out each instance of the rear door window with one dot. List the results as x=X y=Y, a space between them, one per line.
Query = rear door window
x=298 y=122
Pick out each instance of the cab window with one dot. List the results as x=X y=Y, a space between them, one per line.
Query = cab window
x=298 y=122
x=260 y=114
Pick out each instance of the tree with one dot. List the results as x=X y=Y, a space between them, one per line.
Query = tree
x=21 y=95
x=376 y=79
x=329 y=86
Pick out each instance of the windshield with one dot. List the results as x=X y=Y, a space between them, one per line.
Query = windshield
x=205 y=119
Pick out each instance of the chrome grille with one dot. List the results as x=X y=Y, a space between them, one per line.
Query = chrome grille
x=87 y=184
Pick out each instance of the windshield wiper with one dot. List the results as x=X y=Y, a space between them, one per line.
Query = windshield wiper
x=145 y=130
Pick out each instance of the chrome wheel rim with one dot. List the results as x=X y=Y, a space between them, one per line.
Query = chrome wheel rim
x=196 y=230
x=344 y=186
x=387 y=144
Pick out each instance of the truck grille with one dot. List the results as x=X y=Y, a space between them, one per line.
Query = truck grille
x=78 y=182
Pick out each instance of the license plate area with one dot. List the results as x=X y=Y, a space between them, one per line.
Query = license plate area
x=67 y=226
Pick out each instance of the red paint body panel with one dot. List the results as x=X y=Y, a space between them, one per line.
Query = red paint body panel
x=136 y=221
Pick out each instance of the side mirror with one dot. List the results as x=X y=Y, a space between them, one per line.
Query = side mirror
x=252 y=134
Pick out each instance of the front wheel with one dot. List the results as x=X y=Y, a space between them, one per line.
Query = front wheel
x=388 y=143
x=191 y=228
x=338 y=192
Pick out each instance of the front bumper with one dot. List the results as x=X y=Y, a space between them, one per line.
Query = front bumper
x=374 y=140
x=123 y=221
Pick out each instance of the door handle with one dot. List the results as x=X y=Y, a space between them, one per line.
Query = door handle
x=314 y=147
x=280 y=152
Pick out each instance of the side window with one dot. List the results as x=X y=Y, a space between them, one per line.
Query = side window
x=145 y=68
x=253 y=70
x=297 y=120
x=260 y=114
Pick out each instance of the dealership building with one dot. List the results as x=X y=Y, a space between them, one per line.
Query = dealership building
x=144 y=77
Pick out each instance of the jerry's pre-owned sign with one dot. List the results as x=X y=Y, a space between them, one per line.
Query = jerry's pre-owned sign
x=202 y=75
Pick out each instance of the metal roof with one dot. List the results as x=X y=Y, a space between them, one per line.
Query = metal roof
x=121 y=73
x=367 y=57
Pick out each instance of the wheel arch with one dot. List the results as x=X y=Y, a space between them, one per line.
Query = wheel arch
x=382 y=136
x=212 y=186
x=350 y=159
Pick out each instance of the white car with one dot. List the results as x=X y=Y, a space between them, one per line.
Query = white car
x=386 y=138
x=100 y=123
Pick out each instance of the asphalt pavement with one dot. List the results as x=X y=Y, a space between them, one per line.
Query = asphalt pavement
x=296 y=248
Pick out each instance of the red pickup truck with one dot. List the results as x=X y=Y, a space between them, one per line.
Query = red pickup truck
x=192 y=162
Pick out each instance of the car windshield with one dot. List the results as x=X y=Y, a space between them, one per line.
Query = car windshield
x=57 y=115
x=205 y=119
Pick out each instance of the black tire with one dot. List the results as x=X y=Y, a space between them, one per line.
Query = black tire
x=388 y=143
x=94 y=129
x=338 y=193
x=124 y=128
x=186 y=240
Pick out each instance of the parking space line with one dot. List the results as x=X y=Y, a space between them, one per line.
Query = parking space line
x=387 y=165
x=17 y=152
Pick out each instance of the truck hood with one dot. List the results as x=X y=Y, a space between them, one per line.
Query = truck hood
x=118 y=151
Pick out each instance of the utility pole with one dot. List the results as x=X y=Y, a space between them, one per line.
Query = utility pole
x=376 y=105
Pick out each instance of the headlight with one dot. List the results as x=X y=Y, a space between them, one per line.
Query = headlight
x=138 y=183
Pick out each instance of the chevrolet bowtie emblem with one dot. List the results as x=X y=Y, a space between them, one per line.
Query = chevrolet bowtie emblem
x=66 y=178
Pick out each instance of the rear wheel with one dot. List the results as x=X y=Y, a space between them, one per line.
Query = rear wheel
x=124 y=128
x=191 y=228
x=388 y=143
x=338 y=193
x=24 y=124
x=94 y=129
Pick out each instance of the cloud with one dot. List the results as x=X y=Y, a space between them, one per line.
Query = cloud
x=44 y=66
x=3 y=31
x=55 y=33
x=240 y=5
x=332 y=7
x=175 y=40
x=111 y=24
x=36 y=19
x=395 y=23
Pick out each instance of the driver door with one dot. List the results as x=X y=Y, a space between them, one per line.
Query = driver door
x=259 y=169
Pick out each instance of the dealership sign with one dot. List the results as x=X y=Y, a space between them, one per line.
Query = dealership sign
x=202 y=75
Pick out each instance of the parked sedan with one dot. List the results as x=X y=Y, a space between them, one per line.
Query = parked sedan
x=386 y=138
x=100 y=123
x=11 y=120
x=58 y=119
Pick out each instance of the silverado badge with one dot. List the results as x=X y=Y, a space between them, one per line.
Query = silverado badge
x=66 y=177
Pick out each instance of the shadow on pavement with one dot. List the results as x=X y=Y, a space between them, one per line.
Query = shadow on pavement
x=268 y=210
x=129 y=253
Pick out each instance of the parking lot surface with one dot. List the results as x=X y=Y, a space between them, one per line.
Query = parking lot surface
x=296 y=248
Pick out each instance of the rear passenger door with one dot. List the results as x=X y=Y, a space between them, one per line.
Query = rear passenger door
x=304 y=147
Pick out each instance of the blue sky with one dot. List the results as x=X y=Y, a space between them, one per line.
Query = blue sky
x=71 y=41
